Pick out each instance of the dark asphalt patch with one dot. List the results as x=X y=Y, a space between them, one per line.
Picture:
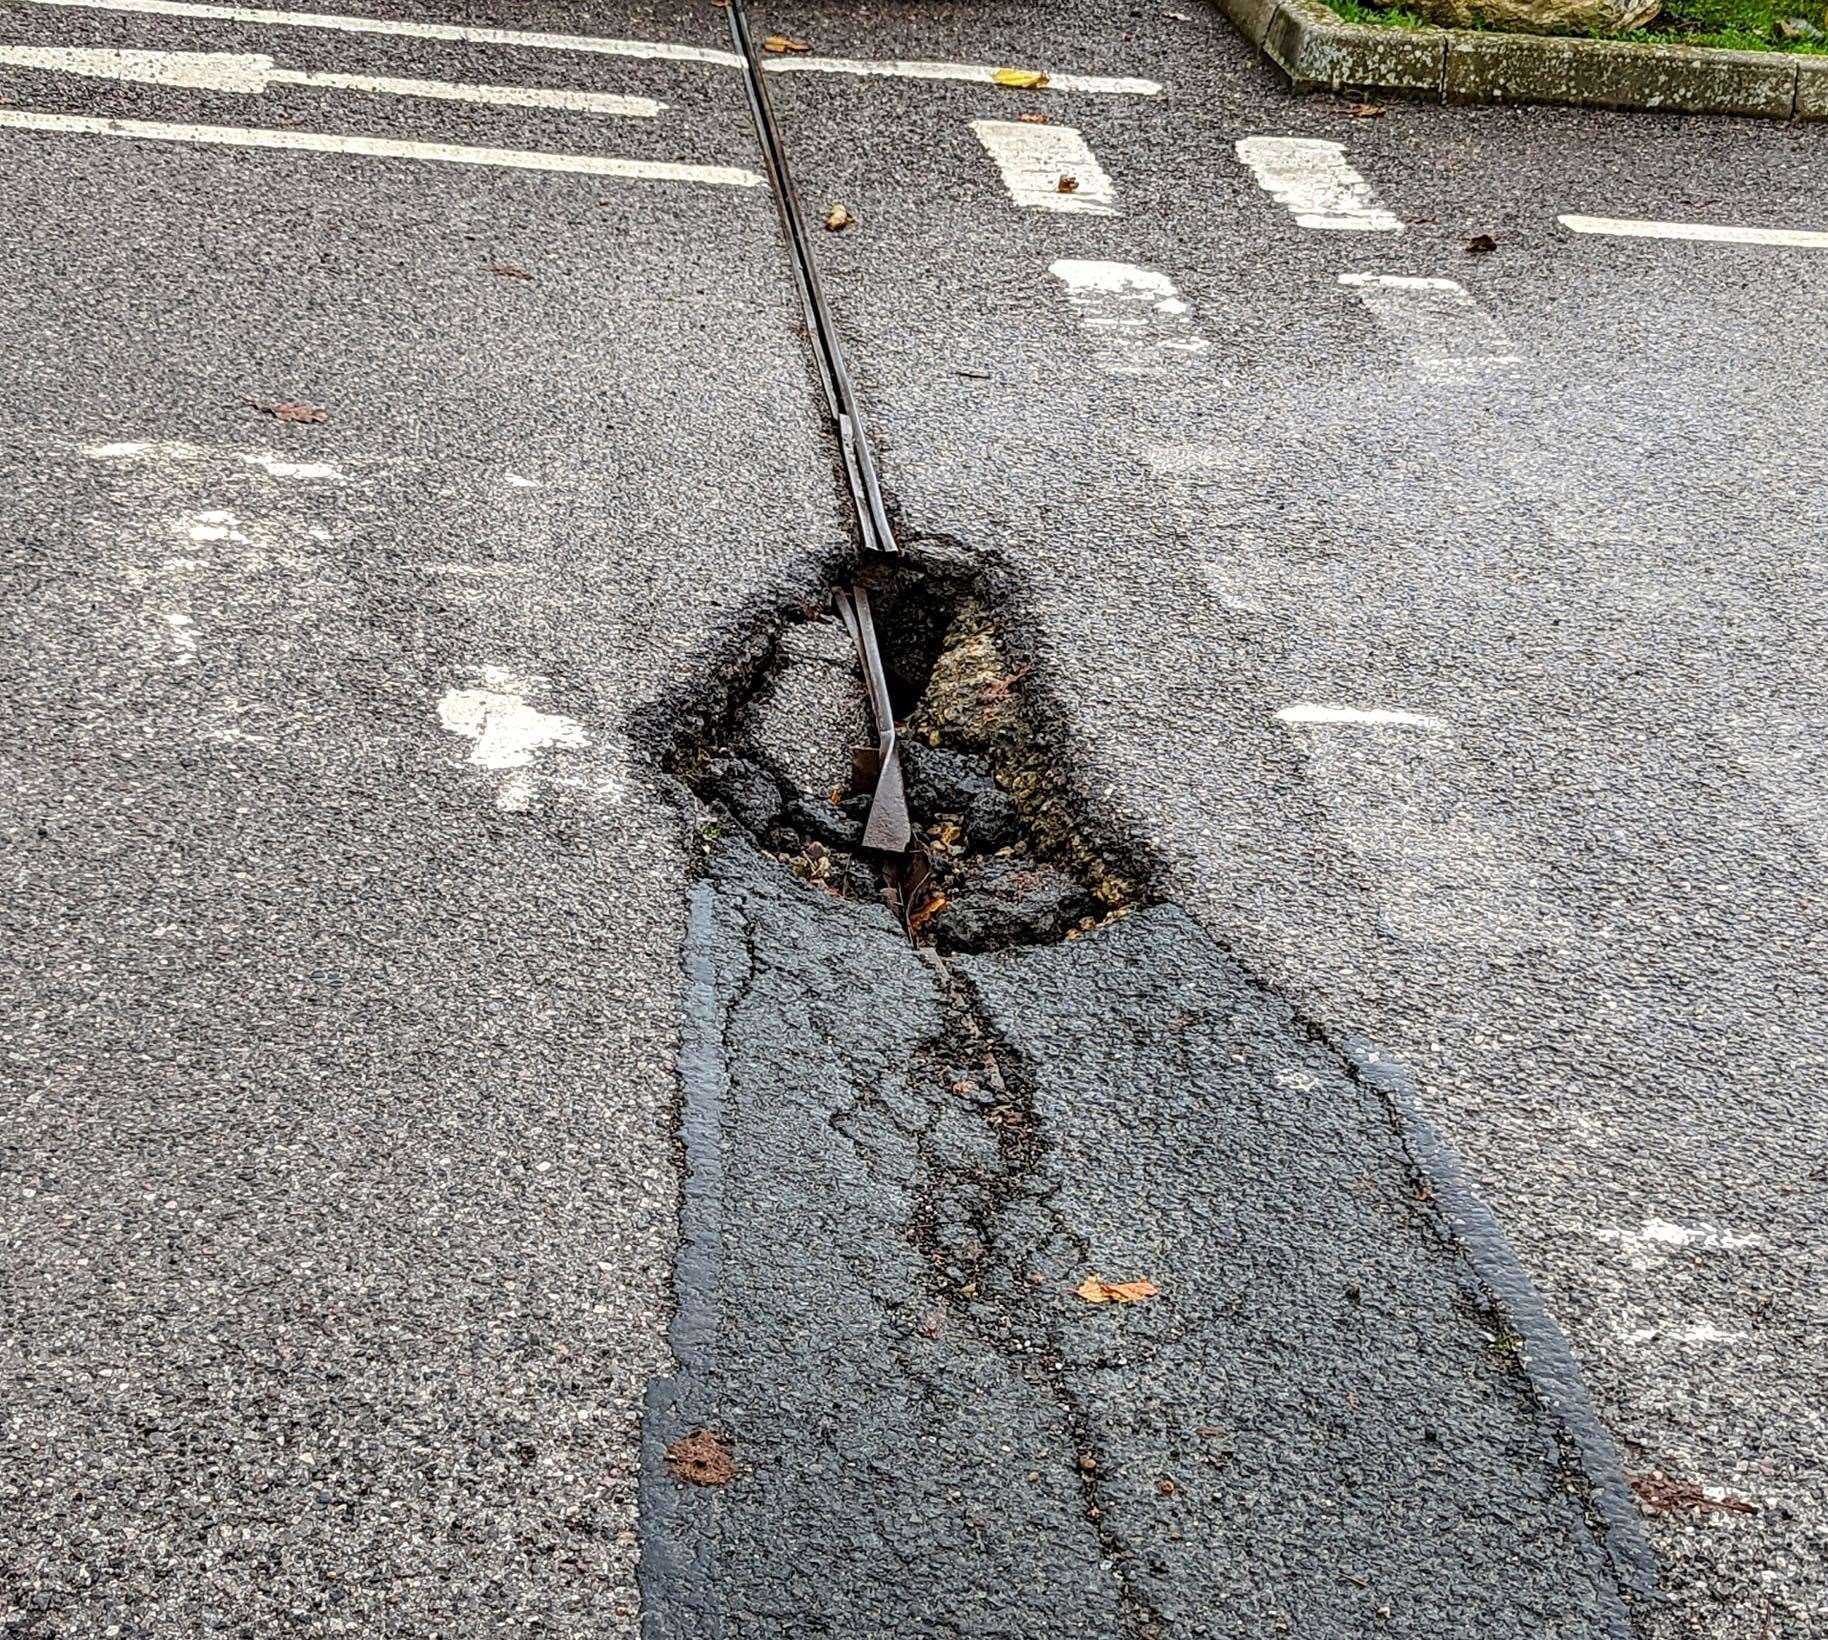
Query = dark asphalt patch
x=900 y=1167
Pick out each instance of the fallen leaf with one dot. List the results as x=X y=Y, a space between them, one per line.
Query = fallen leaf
x=1662 y=1495
x=509 y=270
x=837 y=219
x=700 y=1459
x=778 y=43
x=1365 y=111
x=1020 y=79
x=291 y=412
x=1481 y=244
x=1067 y=185
x=1096 y=1290
x=1032 y=119
x=925 y=912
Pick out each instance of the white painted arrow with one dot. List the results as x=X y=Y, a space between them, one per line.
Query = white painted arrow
x=251 y=72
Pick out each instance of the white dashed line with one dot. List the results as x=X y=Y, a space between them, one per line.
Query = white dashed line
x=251 y=72
x=275 y=468
x=1047 y=167
x=977 y=73
x=1707 y=232
x=319 y=142
x=1314 y=181
x=1376 y=716
x=1143 y=325
x=1448 y=337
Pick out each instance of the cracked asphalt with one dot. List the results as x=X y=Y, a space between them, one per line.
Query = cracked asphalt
x=361 y=961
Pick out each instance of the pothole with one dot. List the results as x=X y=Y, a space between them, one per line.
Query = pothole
x=1000 y=857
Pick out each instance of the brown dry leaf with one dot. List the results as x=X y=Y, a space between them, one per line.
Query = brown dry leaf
x=837 y=219
x=778 y=43
x=700 y=1459
x=1067 y=185
x=1662 y=1495
x=1032 y=119
x=509 y=270
x=925 y=912
x=291 y=412
x=1096 y=1290
x=1020 y=79
x=1365 y=111
x=1481 y=244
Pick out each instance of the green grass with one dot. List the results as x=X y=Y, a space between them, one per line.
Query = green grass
x=1738 y=25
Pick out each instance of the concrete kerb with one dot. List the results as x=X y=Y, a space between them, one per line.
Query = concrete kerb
x=1318 y=51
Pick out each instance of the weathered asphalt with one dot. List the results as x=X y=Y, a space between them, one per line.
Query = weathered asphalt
x=1584 y=913
x=341 y=1196
x=344 y=1185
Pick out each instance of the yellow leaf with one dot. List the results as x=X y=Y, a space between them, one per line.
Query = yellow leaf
x=1020 y=79
x=838 y=218
x=1096 y=1290
x=778 y=43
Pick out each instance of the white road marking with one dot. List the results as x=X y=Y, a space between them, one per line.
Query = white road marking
x=507 y=731
x=516 y=482
x=184 y=641
x=1314 y=181
x=655 y=49
x=1377 y=716
x=1447 y=336
x=1139 y=317
x=321 y=142
x=251 y=72
x=275 y=468
x=1440 y=862
x=1698 y=1332
x=976 y=73
x=1708 y=232
x=1035 y=158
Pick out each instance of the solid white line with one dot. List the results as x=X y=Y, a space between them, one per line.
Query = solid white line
x=659 y=49
x=504 y=96
x=979 y=73
x=1035 y=158
x=319 y=142
x=1712 y=233
x=253 y=72
x=1314 y=181
x=1374 y=717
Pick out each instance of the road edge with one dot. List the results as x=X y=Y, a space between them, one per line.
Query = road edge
x=1319 y=51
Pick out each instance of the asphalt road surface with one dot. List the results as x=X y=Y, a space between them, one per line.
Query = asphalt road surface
x=1441 y=627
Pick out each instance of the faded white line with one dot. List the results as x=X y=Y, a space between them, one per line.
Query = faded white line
x=1312 y=179
x=1708 y=232
x=507 y=731
x=976 y=73
x=251 y=72
x=1447 y=336
x=319 y=142
x=1370 y=716
x=275 y=468
x=1048 y=167
x=657 y=49
x=1144 y=326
